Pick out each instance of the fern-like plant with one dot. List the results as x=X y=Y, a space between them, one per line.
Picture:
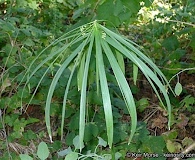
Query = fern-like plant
x=87 y=42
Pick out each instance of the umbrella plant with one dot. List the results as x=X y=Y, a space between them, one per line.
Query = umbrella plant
x=93 y=42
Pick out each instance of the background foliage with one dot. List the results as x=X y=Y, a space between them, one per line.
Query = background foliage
x=164 y=30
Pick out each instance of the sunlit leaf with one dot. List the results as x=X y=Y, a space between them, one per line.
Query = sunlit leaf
x=81 y=71
x=178 y=89
x=33 y=5
x=101 y=142
x=72 y=156
x=83 y=93
x=135 y=73
x=64 y=152
x=76 y=143
x=118 y=155
x=43 y=151
x=25 y=157
x=104 y=89
x=92 y=48
x=120 y=60
x=170 y=146
x=124 y=87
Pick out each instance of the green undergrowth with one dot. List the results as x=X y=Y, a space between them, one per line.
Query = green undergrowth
x=165 y=33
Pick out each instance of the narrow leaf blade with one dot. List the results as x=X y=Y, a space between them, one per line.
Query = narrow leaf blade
x=104 y=89
x=124 y=87
x=83 y=92
x=135 y=73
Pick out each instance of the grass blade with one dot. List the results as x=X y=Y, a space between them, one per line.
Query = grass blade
x=104 y=89
x=65 y=98
x=120 y=60
x=58 y=52
x=83 y=93
x=135 y=73
x=124 y=87
x=54 y=82
x=130 y=45
x=149 y=74
x=80 y=71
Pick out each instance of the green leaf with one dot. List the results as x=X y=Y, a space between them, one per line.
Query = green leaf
x=126 y=47
x=30 y=135
x=105 y=10
x=107 y=157
x=135 y=73
x=64 y=152
x=29 y=42
x=134 y=6
x=25 y=157
x=33 y=5
x=69 y=138
x=60 y=1
x=108 y=11
x=154 y=144
x=77 y=144
x=118 y=155
x=171 y=43
x=120 y=60
x=77 y=13
x=54 y=83
x=101 y=142
x=43 y=151
x=170 y=146
x=81 y=72
x=178 y=89
x=32 y=120
x=83 y=92
x=124 y=87
x=187 y=141
x=64 y=100
x=142 y=104
x=72 y=156
x=104 y=88
x=118 y=7
x=63 y=50
x=91 y=130
x=98 y=42
x=170 y=135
